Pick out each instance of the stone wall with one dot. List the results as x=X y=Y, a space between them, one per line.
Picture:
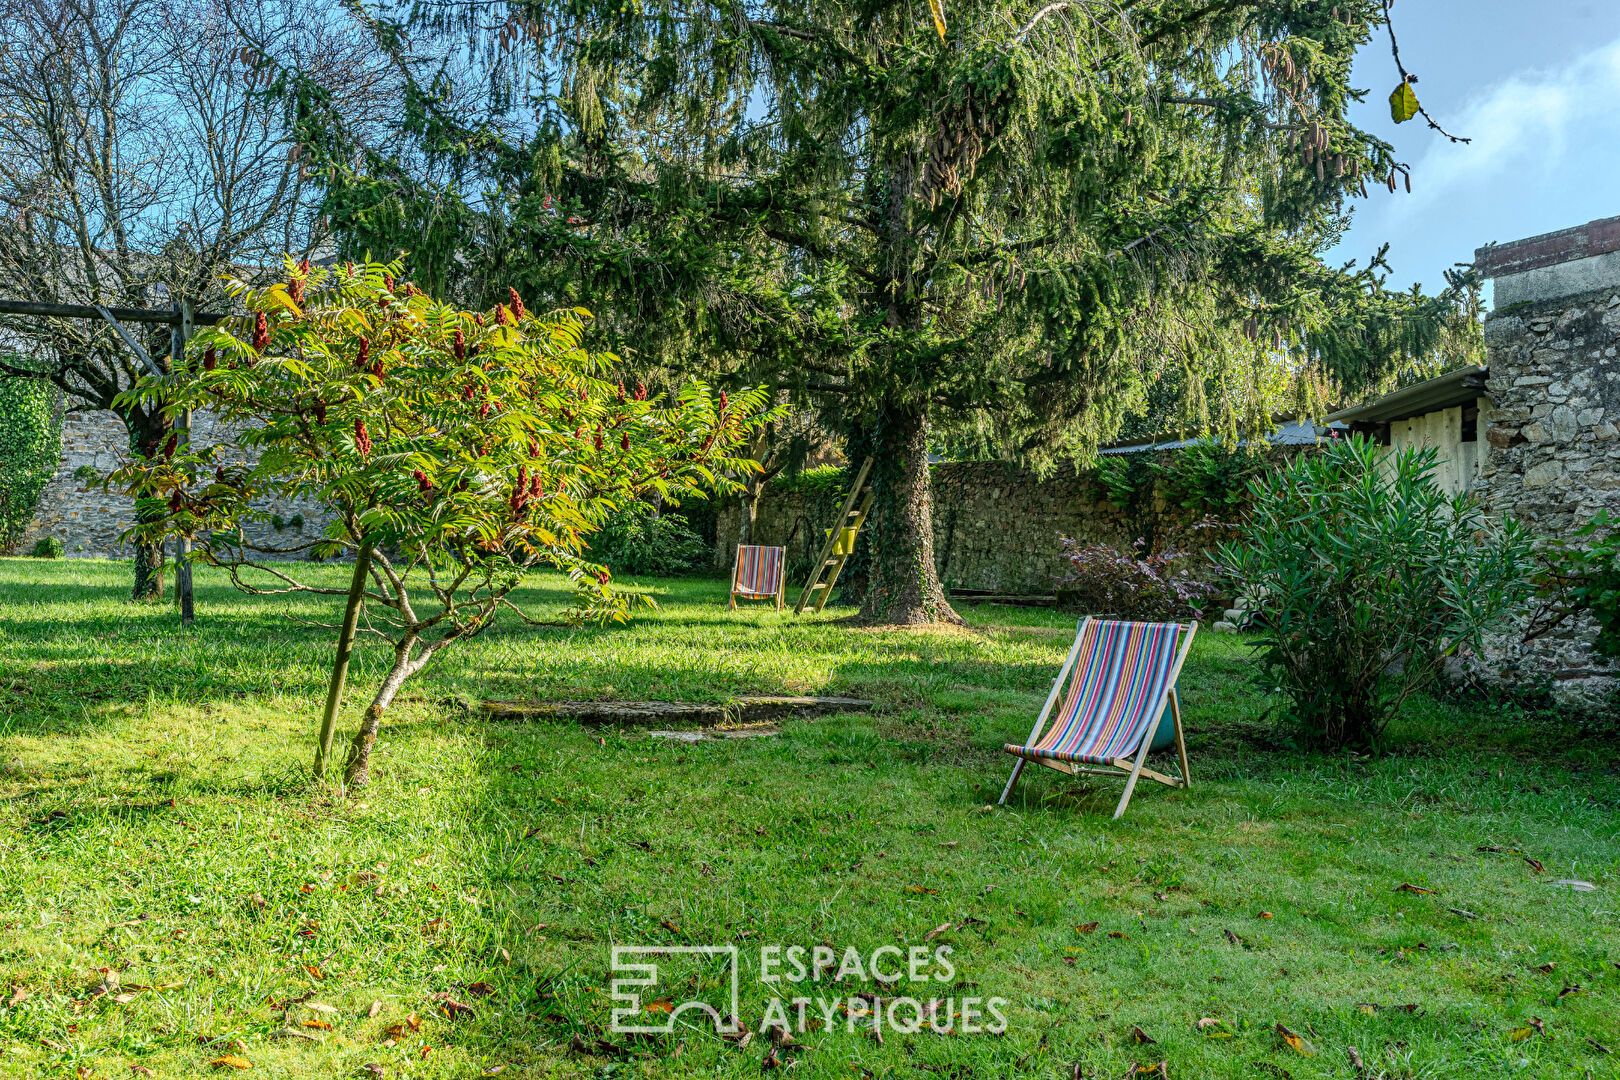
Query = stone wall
x=996 y=527
x=1554 y=445
x=88 y=520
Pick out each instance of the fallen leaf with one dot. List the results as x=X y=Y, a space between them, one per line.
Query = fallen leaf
x=1122 y=935
x=1296 y=1041
x=320 y=1007
x=1534 y=864
x=1570 y=991
x=1141 y=1036
x=318 y=1025
x=426 y=1050
x=376 y=1007
x=1407 y=886
x=669 y=925
x=950 y=843
x=19 y=995
x=373 y=1068
x=480 y=989
x=1267 y=915
x=142 y=1070
x=413 y=1023
x=1231 y=937
x=314 y=972
x=1546 y=969
x=307 y=887
x=431 y=927
x=1161 y=897
x=231 y=1061
x=1086 y=928
x=920 y=890
x=124 y=999
x=1208 y=1022
x=936 y=931
x=455 y=1009
x=662 y=1005
x=1519 y=1034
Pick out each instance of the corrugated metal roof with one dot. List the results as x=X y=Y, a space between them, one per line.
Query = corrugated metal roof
x=1288 y=433
x=1454 y=388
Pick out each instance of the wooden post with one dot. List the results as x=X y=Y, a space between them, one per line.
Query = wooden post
x=182 y=563
x=340 y=667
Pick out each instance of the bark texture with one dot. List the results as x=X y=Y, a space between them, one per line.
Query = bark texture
x=148 y=431
x=903 y=584
x=357 y=769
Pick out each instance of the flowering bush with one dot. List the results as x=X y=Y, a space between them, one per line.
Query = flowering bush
x=453 y=450
x=1366 y=577
x=1103 y=579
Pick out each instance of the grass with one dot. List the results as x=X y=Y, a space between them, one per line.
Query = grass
x=158 y=830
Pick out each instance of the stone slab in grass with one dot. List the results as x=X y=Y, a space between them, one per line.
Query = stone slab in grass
x=743 y=710
x=761 y=732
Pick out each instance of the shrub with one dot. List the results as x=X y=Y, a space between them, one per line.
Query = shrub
x=1133 y=584
x=1579 y=576
x=635 y=540
x=30 y=444
x=1366 y=577
x=48 y=547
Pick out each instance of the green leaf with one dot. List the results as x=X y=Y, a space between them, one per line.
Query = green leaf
x=1403 y=104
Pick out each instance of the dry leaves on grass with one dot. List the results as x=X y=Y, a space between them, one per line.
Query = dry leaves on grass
x=1086 y=928
x=936 y=931
x=1407 y=886
x=19 y=994
x=1142 y=1037
x=1537 y=1026
x=231 y=1061
x=1120 y=934
x=376 y=1007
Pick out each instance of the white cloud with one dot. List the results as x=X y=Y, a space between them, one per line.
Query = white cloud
x=1545 y=154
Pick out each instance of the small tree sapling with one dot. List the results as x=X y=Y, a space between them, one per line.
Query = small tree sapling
x=453 y=451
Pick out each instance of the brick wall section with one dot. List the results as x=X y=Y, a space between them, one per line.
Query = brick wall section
x=88 y=520
x=1554 y=456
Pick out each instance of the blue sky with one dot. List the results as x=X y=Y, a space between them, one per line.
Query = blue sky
x=1536 y=85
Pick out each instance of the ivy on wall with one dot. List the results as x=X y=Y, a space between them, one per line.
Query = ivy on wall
x=30 y=446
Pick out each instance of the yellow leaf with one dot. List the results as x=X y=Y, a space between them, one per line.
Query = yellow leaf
x=1297 y=1041
x=278 y=293
x=938 y=8
x=1520 y=1034
x=1403 y=104
x=230 y=1061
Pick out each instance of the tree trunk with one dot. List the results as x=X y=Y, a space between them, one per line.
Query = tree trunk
x=903 y=584
x=357 y=769
x=753 y=487
x=148 y=431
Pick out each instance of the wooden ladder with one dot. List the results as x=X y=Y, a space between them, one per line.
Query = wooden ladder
x=852 y=517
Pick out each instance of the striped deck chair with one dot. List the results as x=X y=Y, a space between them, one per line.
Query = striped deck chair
x=1123 y=675
x=758 y=574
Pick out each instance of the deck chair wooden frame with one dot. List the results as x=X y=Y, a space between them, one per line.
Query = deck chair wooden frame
x=737 y=588
x=1128 y=767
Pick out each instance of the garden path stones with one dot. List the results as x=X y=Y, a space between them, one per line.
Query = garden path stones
x=687 y=714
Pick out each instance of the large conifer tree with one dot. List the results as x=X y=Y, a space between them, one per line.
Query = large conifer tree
x=1009 y=216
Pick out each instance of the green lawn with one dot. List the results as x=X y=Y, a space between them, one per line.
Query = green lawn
x=168 y=872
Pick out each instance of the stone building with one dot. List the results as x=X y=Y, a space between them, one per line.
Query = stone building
x=1534 y=432
x=1553 y=457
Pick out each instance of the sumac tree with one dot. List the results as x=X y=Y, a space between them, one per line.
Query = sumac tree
x=454 y=451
